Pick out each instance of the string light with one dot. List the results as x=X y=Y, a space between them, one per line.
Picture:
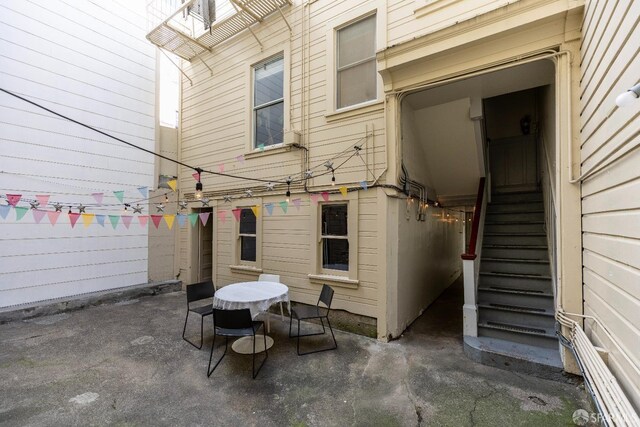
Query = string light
x=288 y=189
x=198 y=194
x=166 y=197
x=333 y=178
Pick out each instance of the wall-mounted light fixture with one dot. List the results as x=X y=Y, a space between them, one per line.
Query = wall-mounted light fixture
x=626 y=99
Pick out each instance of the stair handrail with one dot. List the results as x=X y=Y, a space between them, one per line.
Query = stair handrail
x=471 y=253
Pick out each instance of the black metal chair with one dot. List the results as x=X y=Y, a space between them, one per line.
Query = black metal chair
x=198 y=292
x=306 y=312
x=236 y=323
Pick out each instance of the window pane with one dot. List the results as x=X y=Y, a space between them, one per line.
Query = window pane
x=247 y=248
x=357 y=42
x=247 y=222
x=335 y=254
x=269 y=78
x=357 y=84
x=269 y=122
x=334 y=220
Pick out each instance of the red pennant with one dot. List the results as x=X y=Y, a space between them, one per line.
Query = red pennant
x=156 y=220
x=236 y=213
x=142 y=219
x=196 y=176
x=73 y=217
x=325 y=196
x=53 y=216
x=13 y=199
x=222 y=216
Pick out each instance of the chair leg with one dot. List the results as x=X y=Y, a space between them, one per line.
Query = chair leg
x=226 y=342
x=335 y=343
x=201 y=331
x=253 y=361
x=281 y=312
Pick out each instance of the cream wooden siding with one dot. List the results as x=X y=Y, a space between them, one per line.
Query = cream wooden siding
x=611 y=198
x=88 y=60
x=215 y=129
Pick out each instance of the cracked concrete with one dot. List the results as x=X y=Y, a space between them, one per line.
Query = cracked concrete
x=127 y=364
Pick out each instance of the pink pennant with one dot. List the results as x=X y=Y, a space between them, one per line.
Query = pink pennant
x=13 y=199
x=222 y=216
x=156 y=220
x=204 y=217
x=236 y=213
x=43 y=199
x=53 y=216
x=98 y=197
x=196 y=176
x=142 y=219
x=126 y=220
x=221 y=167
x=38 y=215
x=240 y=158
x=296 y=203
x=314 y=198
x=325 y=196
x=73 y=218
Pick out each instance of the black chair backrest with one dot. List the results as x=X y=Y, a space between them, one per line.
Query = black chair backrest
x=326 y=296
x=232 y=319
x=200 y=290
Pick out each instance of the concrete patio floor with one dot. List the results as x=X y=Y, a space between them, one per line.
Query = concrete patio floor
x=126 y=364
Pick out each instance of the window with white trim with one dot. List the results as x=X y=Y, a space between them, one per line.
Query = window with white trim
x=247 y=235
x=268 y=102
x=335 y=237
x=356 y=76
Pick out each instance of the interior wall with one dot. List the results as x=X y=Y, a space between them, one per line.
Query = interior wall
x=503 y=113
x=414 y=155
x=428 y=258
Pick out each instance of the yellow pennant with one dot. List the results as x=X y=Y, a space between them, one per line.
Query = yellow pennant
x=169 y=220
x=172 y=184
x=256 y=210
x=343 y=190
x=87 y=219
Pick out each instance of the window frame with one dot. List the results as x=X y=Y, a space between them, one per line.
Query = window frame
x=241 y=235
x=239 y=265
x=374 y=7
x=251 y=150
x=256 y=108
x=324 y=237
x=319 y=275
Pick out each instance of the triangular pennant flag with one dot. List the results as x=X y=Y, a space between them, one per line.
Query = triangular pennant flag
x=119 y=195
x=221 y=167
x=222 y=216
x=314 y=198
x=169 y=218
x=236 y=213
x=296 y=203
x=261 y=147
x=13 y=199
x=114 y=220
x=43 y=199
x=344 y=191
x=100 y=219
x=196 y=176
x=87 y=219
x=73 y=218
x=20 y=211
x=156 y=220
x=4 y=211
x=53 y=216
x=284 y=205
x=126 y=220
x=172 y=184
x=204 y=217
x=144 y=191
x=256 y=210
x=269 y=208
x=240 y=158
x=98 y=197
x=364 y=184
x=182 y=219
x=193 y=217
x=325 y=196
x=142 y=219
x=38 y=215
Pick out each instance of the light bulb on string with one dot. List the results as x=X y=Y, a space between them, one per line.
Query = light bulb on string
x=166 y=197
x=288 y=194
x=198 y=194
x=333 y=178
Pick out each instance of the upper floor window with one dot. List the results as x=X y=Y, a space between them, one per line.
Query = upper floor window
x=268 y=102
x=356 y=63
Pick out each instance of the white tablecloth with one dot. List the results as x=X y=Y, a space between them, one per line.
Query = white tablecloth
x=256 y=296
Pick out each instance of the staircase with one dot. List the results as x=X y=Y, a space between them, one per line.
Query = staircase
x=515 y=296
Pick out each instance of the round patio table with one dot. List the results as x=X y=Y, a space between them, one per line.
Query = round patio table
x=257 y=296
